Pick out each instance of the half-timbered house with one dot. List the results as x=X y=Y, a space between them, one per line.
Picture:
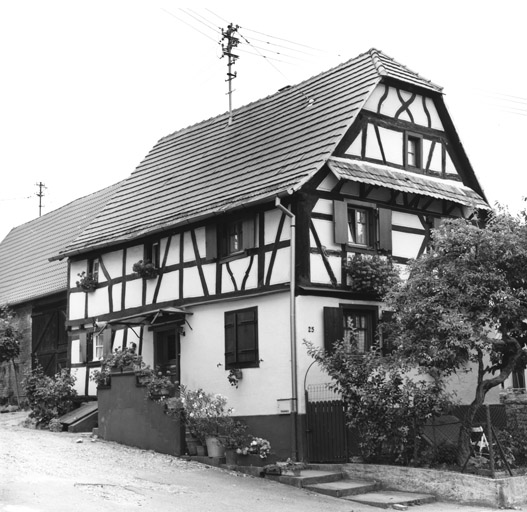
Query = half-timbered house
x=35 y=289
x=249 y=224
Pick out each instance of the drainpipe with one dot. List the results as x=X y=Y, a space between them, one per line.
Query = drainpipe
x=292 y=322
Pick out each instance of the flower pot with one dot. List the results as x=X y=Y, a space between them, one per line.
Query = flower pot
x=214 y=447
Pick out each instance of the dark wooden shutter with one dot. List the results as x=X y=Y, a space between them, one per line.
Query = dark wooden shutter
x=247 y=337
x=230 y=339
x=385 y=229
x=82 y=347
x=248 y=233
x=333 y=327
x=340 y=222
x=211 y=241
x=106 y=341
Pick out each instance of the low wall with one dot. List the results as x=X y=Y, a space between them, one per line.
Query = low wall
x=128 y=417
x=445 y=485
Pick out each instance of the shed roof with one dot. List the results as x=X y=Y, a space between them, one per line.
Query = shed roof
x=25 y=271
x=273 y=146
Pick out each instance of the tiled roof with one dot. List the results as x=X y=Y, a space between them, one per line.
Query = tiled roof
x=384 y=176
x=25 y=272
x=273 y=145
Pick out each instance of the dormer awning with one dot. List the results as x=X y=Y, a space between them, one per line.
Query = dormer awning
x=404 y=181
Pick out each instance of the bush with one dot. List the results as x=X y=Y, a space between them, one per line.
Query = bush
x=383 y=403
x=49 y=397
x=9 y=336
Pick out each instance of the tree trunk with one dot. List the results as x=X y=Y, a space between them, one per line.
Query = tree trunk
x=511 y=355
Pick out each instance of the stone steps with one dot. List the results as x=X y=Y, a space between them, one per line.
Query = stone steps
x=334 y=483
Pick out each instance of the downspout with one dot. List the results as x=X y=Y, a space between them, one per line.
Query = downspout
x=292 y=324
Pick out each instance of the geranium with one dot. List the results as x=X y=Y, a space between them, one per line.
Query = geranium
x=258 y=446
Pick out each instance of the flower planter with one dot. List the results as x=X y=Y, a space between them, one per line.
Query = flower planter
x=230 y=457
x=201 y=451
x=251 y=460
x=214 y=447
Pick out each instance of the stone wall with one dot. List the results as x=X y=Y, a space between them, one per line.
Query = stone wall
x=9 y=376
x=515 y=401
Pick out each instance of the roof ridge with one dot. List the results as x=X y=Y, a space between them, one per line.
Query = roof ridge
x=376 y=55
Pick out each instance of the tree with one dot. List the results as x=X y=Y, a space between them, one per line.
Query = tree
x=9 y=342
x=465 y=301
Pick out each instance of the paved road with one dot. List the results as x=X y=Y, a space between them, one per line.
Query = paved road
x=42 y=471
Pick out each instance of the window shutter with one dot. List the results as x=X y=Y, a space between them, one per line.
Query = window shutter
x=230 y=339
x=106 y=341
x=340 y=222
x=333 y=327
x=385 y=229
x=248 y=233
x=82 y=347
x=211 y=241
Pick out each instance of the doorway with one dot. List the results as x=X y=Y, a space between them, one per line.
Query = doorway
x=167 y=352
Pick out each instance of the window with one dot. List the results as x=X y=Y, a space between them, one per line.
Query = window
x=93 y=269
x=152 y=254
x=360 y=226
x=241 y=338
x=231 y=238
x=99 y=347
x=362 y=322
x=413 y=151
x=339 y=323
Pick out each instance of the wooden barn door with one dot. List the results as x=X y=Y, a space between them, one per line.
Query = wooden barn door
x=49 y=338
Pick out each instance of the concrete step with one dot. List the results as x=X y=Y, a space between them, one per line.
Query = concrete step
x=343 y=488
x=387 y=499
x=307 y=477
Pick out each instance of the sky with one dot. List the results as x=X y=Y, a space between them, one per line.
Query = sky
x=88 y=87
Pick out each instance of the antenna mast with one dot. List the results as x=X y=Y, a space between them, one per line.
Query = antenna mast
x=40 y=195
x=232 y=42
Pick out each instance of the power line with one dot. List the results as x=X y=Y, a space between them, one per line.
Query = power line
x=188 y=25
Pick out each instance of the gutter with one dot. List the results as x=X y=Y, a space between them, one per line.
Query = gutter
x=292 y=325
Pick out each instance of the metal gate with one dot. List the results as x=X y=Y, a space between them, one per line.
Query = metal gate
x=328 y=437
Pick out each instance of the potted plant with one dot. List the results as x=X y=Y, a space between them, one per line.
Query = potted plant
x=86 y=281
x=159 y=386
x=234 y=376
x=372 y=275
x=123 y=359
x=235 y=438
x=206 y=415
x=102 y=377
x=145 y=269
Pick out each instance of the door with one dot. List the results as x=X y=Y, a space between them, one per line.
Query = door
x=49 y=338
x=167 y=352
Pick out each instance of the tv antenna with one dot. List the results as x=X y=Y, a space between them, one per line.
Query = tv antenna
x=40 y=195
x=229 y=42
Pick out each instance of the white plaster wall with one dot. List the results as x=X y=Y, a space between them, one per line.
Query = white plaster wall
x=355 y=148
x=173 y=253
x=134 y=293
x=117 y=290
x=436 y=121
x=281 y=268
x=151 y=285
x=326 y=234
x=324 y=206
x=406 y=245
x=406 y=219
x=192 y=286
x=76 y=267
x=392 y=145
x=113 y=262
x=272 y=220
x=169 y=289
x=133 y=255
x=328 y=183
x=98 y=302
x=373 y=149
x=188 y=248
x=261 y=387
x=80 y=383
x=76 y=305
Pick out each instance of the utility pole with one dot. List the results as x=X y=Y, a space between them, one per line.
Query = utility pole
x=40 y=195
x=231 y=43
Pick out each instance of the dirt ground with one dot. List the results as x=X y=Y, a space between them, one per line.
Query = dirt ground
x=44 y=471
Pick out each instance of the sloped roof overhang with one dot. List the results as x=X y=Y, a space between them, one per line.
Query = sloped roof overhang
x=152 y=318
x=404 y=181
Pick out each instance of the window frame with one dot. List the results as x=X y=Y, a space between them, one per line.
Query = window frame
x=244 y=228
x=369 y=226
x=94 y=267
x=412 y=137
x=152 y=253
x=233 y=360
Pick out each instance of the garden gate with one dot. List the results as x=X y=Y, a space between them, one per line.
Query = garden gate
x=328 y=438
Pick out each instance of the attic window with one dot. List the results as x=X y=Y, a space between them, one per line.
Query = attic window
x=93 y=269
x=152 y=253
x=413 y=152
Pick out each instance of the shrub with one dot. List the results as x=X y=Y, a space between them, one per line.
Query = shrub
x=373 y=275
x=383 y=403
x=49 y=397
x=9 y=336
